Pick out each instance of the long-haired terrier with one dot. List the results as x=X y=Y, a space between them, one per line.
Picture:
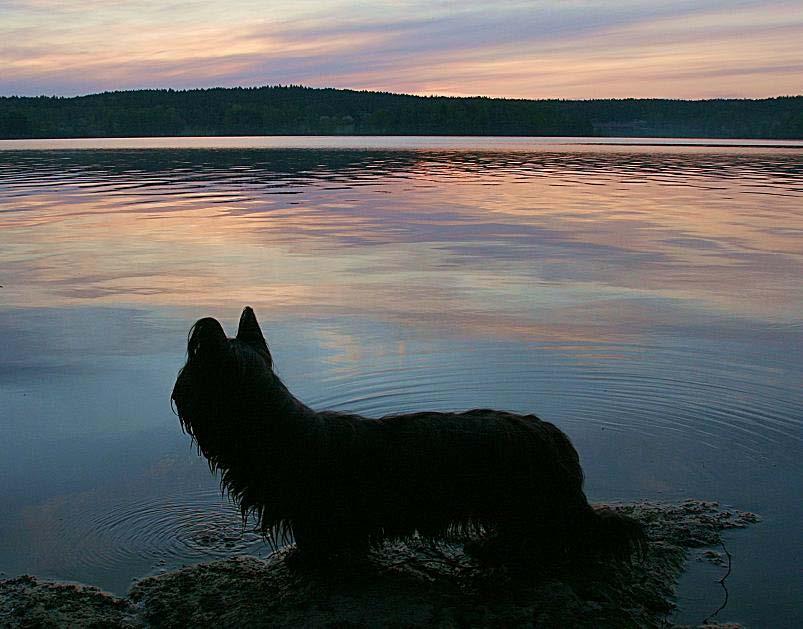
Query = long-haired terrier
x=335 y=480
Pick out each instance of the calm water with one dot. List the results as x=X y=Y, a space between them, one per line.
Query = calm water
x=646 y=299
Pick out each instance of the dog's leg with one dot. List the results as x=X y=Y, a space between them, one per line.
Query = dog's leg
x=318 y=542
x=532 y=540
x=311 y=540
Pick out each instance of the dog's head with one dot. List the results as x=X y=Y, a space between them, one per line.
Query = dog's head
x=224 y=383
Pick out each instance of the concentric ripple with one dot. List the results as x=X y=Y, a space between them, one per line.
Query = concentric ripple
x=711 y=400
x=102 y=531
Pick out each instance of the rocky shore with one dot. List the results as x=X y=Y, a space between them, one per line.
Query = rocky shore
x=402 y=585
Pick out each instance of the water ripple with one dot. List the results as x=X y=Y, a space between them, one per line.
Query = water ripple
x=101 y=531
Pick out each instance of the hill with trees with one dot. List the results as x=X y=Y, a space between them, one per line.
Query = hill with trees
x=297 y=110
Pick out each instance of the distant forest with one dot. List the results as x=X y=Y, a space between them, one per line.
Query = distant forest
x=297 y=110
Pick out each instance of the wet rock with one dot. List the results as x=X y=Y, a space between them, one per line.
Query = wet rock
x=28 y=602
x=402 y=584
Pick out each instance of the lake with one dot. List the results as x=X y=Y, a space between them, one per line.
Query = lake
x=645 y=296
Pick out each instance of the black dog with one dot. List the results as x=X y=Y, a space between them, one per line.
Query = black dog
x=337 y=480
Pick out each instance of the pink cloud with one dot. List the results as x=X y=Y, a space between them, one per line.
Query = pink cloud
x=536 y=50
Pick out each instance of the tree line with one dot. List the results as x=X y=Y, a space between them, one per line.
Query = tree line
x=298 y=110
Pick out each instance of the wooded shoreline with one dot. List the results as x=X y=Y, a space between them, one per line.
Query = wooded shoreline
x=298 y=110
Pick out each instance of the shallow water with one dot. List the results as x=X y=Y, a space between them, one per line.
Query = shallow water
x=646 y=299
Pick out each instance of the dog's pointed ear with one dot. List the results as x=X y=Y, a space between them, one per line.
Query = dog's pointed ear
x=207 y=338
x=249 y=332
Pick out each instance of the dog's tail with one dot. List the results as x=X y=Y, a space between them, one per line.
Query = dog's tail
x=614 y=535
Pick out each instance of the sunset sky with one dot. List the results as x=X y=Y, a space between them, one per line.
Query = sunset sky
x=529 y=49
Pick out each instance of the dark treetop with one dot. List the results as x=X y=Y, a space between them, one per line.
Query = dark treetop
x=296 y=110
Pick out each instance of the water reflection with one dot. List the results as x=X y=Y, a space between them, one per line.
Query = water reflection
x=645 y=299
x=682 y=226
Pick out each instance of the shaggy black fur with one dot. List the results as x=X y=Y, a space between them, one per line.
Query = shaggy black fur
x=337 y=480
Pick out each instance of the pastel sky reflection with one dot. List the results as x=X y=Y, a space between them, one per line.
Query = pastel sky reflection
x=481 y=237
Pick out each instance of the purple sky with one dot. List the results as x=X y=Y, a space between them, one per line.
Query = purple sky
x=531 y=49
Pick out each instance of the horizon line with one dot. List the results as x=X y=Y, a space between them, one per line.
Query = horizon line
x=379 y=91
